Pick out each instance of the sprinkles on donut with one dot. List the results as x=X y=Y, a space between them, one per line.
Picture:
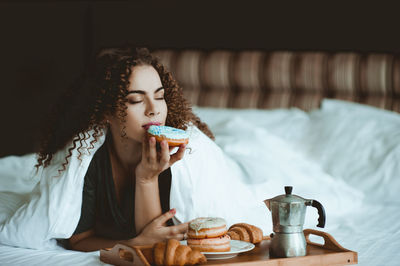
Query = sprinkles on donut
x=174 y=136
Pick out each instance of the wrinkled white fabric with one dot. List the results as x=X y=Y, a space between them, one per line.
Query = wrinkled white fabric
x=51 y=210
x=344 y=155
x=208 y=183
x=204 y=183
x=352 y=143
x=357 y=144
x=269 y=163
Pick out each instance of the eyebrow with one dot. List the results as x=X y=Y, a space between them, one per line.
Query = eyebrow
x=143 y=92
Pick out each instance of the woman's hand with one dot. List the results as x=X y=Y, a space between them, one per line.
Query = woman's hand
x=157 y=231
x=153 y=162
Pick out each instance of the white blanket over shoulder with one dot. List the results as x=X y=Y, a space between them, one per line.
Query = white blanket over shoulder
x=47 y=204
x=232 y=182
x=40 y=207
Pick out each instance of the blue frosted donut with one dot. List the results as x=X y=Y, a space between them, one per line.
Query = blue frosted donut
x=174 y=136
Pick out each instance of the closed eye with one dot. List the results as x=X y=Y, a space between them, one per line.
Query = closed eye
x=139 y=94
x=159 y=94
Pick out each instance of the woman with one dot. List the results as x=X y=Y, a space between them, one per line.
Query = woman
x=99 y=181
x=126 y=187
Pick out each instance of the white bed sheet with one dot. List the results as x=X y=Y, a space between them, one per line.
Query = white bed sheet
x=22 y=256
x=358 y=147
x=356 y=144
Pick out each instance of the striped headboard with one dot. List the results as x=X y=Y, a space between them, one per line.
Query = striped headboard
x=282 y=79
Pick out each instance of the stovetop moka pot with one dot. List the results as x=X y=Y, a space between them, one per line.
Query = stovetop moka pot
x=288 y=214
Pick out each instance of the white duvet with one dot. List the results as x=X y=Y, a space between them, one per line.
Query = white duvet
x=344 y=155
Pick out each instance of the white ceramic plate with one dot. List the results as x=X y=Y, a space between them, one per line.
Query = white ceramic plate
x=237 y=247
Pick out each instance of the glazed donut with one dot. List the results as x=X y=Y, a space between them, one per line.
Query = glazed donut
x=207 y=227
x=215 y=244
x=174 y=137
x=208 y=234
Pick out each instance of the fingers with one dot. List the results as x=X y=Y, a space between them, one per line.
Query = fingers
x=152 y=150
x=148 y=149
x=182 y=228
x=153 y=156
x=161 y=159
x=159 y=230
x=178 y=237
x=163 y=218
x=178 y=155
x=145 y=145
x=178 y=231
x=164 y=156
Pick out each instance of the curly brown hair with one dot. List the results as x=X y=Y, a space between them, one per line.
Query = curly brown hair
x=102 y=91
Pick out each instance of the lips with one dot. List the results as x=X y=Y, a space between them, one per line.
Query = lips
x=146 y=126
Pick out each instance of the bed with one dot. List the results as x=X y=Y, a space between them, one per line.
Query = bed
x=325 y=123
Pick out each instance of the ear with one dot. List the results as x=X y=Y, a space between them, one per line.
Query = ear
x=107 y=119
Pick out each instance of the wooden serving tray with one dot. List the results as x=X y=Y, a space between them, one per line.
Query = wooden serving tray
x=329 y=253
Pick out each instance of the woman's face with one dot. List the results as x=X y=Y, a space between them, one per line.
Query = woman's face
x=146 y=104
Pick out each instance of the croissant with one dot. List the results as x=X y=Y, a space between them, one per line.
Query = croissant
x=172 y=253
x=245 y=232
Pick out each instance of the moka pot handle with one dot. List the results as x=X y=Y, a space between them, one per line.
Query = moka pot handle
x=321 y=213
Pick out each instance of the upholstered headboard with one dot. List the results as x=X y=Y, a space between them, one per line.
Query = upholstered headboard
x=282 y=79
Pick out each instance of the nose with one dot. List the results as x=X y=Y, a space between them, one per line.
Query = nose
x=151 y=109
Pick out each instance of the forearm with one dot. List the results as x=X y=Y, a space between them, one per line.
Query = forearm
x=94 y=243
x=147 y=203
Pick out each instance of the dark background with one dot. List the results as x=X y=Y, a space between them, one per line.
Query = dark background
x=45 y=45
